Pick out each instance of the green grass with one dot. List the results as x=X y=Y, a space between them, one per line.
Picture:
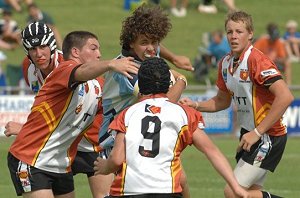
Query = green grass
x=202 y=178
x=104 y=17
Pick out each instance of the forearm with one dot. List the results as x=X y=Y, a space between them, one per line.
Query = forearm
x=176 y=90
x=91 y=70
x=166 y=54
x=222 y=166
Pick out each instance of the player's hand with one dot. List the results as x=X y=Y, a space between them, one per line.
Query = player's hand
x=99 y=165
x=247 y=140
x=125 y=66
x=183 y=62
x=188 y=102
x=12 y=128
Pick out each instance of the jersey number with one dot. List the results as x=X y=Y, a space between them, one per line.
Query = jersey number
x=154 y=136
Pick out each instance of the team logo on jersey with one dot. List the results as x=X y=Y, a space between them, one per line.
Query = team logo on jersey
x=268 y=72
x=224 y=74
x=152 y=109
x=244 y=75
x=35 y=86
x=78 y=108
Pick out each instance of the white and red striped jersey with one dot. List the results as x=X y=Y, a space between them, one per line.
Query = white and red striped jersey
x=156 y=132
x=248 y=86
x=62 y=112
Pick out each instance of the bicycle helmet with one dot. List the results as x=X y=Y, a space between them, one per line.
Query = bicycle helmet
x=37 y=34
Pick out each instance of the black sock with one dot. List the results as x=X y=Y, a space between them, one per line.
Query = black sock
x=269 y=195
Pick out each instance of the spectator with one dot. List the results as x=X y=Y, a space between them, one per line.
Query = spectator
x=208 y=7
x=13 y=4
x=273 y=46
x=179 y=11
x=150 y=136
x=36 y=14
x=208 y=58
x=292 y=41
x=9 y=29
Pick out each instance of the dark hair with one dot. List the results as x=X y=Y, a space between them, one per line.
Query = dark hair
x=152 y=22
x=273 y=31
x=75 y=39
x=154 y=76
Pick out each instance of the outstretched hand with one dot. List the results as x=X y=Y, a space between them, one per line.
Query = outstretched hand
x=183 y=62
x=188 y=102
x=125 y=66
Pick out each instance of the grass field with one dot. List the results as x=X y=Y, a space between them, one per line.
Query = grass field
x=104 y=18
x=203 y=180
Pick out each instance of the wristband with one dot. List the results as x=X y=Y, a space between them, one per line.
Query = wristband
x=182 y=78
x=257 y=133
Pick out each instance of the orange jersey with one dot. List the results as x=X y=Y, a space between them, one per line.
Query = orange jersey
x=247 y=85
x=156 y=132
x=62 y=112
x=273 y=50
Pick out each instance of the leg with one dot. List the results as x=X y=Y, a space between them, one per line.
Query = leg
x=100 y=185
x=68 y=195
x=45 y=193
x=184 y=185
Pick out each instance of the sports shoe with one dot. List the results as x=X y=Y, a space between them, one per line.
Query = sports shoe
x=175 y=12
x=182 y=12
x=208 y=9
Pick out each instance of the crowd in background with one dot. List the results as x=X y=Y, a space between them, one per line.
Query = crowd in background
x=281 y=46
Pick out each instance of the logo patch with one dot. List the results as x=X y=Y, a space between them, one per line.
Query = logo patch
x=152 y=109
x=35 y=40
x=268 y=72
x=244 y=75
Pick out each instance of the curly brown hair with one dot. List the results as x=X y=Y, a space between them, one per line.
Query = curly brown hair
x=150 y=21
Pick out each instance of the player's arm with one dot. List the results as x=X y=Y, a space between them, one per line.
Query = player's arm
x=217 y=103
x=203 y=143
x=283 y=98
x=115 y=159
x=93 y=69
x=177 y=89
x=181 y=62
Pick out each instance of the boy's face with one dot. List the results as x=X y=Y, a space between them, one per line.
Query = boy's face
x=238 y=36
x=90 y=51
x=40 y=56
x=144 y=47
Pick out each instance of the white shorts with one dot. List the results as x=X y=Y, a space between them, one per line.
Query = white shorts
x=248 y=175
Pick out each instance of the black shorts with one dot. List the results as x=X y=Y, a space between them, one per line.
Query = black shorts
x=165 y=195
x=84 y=163
x=266 y=153
x=27 y=178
